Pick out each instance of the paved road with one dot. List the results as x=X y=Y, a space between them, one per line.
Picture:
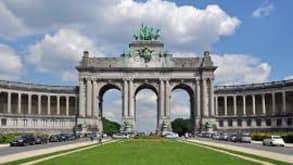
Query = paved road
x=12 y=150
x=282 y=150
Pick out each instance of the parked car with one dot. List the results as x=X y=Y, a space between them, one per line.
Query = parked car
x=224 y=136
x=243 y=138
x=120 y=136
x=171 y=135
x=23 y=140
x=54 y=138
x=274 y=141
x=216 y=136
x=41 y=139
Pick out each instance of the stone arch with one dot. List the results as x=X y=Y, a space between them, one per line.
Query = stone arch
x=146 y=86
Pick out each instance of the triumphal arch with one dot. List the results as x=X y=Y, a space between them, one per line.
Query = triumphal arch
x=146 y=65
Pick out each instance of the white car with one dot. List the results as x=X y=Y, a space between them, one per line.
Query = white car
x=274 y=141
x=170 y=135
x=120 y=136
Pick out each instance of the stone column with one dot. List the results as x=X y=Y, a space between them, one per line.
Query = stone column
x=235 y=105
x=19 y=103
x=198 y=109
x=167 y=101
x=225 y=106
x=8 y=102
x=253 y=104
x=95 y=99
x=81 y=98
x=216 y=105
x=29 y=103
x=205 y=98
x=244 y=104
x=211 y=98
x=49 y=105
x=39 y=104
x=124 y=99
x=284 y=101
x=263 y=104
x=131 y=99
x=88 y=98
x=273 y=103
x=161 y=98
x=67 y=105
x=58 y=104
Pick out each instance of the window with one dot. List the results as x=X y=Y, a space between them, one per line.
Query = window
x=248 y=122
x=258 y=122
x=35 y=123
x=268 y=122
x=279 y=122
x=221 y=123
x=14 y=122
x=230 y=123
x=3 y=122
x=289 y=121
x=239 y=122
x=24 y=123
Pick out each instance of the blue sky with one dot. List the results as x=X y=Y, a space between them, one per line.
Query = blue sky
x=42 y=41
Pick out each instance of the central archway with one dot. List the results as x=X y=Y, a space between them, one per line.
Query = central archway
x=146 y=109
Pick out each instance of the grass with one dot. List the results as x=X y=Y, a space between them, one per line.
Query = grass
x=248 y=155
x=147 y=152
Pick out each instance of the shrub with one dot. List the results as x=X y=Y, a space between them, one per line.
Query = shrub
x=259 y=136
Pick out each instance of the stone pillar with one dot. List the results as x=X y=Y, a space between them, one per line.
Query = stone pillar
x=205 y=98
x=19 y=103
x=88 y=98
x=67 y=105
x=167 y=101
x=235 y=105
x=284 y=101
x=211 y=98
x=244 y=104
x=131 y=99
x=273 y=103
x=49 y=105
x=58 y=104
x=81 y=98
x=29 y=103
x=225 y=106
x=216 y=106
x=161 y=98
x=95 y=100
x=8 y=102
x=39 y=104
x=263 y=104
x=253 y=104
x=198 y=109
x=124 y=99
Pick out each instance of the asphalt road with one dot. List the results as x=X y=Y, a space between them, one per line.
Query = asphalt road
x=16 y=149
x=282 y=150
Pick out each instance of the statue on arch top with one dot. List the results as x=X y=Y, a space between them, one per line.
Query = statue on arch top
x=147 y=33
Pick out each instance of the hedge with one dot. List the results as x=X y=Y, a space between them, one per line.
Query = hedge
x=259 y=136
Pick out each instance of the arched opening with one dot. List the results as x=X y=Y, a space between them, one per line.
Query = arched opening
x=146 y=109
x=109 y=102
x=181 y=111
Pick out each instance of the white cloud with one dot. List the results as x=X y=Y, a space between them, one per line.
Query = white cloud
x=11 y=26
x=288 y=77
x=11 y=66
x=60 y=53
x=112 y=23
x=265 y=9
x=240 y=68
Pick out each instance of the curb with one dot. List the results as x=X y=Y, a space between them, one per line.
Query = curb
x=4 y=145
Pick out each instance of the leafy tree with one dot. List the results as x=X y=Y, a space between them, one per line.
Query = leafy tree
x=181 y=126
x=110 y=127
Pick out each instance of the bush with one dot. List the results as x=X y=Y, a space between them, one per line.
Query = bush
x=259 y=136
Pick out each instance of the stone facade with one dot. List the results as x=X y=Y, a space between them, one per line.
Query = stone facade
x=146 y=65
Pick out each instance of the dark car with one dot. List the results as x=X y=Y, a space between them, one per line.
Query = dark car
x=71 y=137
x=54 y=138
x=63 y=137
x=41 y=139
x=23 y=140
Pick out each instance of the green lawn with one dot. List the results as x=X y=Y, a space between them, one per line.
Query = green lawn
x=147 y=152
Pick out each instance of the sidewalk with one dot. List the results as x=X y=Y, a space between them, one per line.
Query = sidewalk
x=27 y=154
x=267 y=154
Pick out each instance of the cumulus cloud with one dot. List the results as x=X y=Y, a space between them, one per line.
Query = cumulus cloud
x=265 y=9
x=11 y=26
x=11 y=66
x=240 y=68
x=60 y=53
x=288 y=77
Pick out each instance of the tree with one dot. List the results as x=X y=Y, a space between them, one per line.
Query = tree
x=181 y=126
x=110 y=127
